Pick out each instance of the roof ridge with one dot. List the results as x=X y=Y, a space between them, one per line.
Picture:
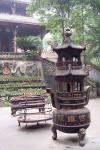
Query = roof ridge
x=17 y=1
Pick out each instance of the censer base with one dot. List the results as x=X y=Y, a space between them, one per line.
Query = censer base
x=71 y=129
x=71 y=121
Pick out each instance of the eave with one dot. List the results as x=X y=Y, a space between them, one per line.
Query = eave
x=23 y=2
x=69 y=47
x=24 y=25
x=80 y=72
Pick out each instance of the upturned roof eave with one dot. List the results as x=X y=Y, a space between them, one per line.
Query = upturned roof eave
x=7 y=18
x=69 y=46
x=22 y=23
x=16 y=1
x=71 y=72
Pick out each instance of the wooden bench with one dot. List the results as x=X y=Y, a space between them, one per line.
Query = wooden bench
x=27 y=101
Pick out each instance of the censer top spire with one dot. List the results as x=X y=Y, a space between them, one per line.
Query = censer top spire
x=67 y=44
x=67 y=34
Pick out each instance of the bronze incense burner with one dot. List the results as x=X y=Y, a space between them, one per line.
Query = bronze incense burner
x=70 y=95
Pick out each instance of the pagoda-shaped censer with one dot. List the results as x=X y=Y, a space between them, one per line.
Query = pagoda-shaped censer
x=70 y=96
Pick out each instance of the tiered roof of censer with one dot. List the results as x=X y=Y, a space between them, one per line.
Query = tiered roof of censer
x=68 y=67
x=73 y=72
x=68 y=45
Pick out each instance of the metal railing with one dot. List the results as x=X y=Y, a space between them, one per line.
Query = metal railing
x=64 y=65
x=75 y=94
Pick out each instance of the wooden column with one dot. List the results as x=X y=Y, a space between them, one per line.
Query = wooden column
x=59 y=58
x=14 y=40
x=13 y=8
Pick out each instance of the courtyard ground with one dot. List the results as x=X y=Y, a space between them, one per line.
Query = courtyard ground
x=13 y=137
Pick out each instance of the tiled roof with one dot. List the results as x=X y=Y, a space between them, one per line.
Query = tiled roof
x=17 y=1
x=18 y=19
x=49 y=55
x=25 y=25
x=22 y=1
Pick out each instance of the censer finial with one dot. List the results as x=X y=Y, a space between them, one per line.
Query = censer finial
x=67 y=34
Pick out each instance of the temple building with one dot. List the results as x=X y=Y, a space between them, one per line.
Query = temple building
x=21 y=72
x=15 y=22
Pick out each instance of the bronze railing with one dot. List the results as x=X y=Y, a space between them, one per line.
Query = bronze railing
x=71 y=94
x=72 y=99
x=64 y=65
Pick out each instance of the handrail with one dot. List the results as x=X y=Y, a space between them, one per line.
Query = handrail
x=71 y=94
x=64 y=65
x=70 y=62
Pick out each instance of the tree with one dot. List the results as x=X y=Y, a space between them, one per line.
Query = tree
x=83 y=16
x=93 y=32
x=52 y=13
x=29 y=43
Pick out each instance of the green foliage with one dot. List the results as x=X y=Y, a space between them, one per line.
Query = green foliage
x=4 y=103
x=17 y=78
x=52 y=13
x=84 y=19
x=29 y=43
x=13 y=85
x=20 y=91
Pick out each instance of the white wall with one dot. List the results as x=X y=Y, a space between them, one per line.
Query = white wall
x=94 y=74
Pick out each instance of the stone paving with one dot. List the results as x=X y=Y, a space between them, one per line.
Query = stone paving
x=13 y=137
